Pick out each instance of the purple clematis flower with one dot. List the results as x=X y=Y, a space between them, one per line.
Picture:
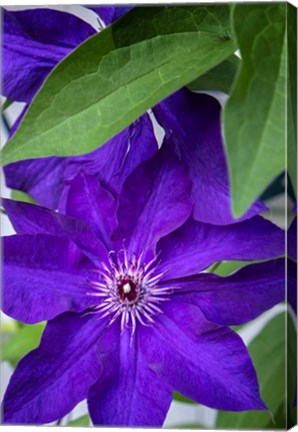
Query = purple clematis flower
x=131 y=317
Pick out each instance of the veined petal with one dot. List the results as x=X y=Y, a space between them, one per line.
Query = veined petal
x=43 y=276
x=117 y=158
x=34 y=41
x=31 y=219
x=193 y=122
x=154 y=202
x=128 y=393
x=195 y=246
x=40 y=178
x=234 y=299
x=51 y=380
x=87 y=200
x=201 y=360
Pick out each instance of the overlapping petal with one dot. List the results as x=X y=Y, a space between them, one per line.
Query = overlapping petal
x=51 y=380
x=201 y=360
x=235 y=299
x=44 y=178
x=195 y=246
x=193 y=122
x=154 y=201
x=127 y=392
x=43 y=276
x=31 y=219
x=34 y=41
x=117 y=158
x=87 y=200
x=40 y=178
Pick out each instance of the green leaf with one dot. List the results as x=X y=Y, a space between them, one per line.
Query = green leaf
x=268 y=352
x=116 y=75
x=81 y=421
x=227 y=267
x=180 y=398
x=20 y=343
x=254 y=116
x=292 y=94
x=21 y=196
x=220 y=78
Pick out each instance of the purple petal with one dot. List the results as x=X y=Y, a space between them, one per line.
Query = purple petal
x=40 y=178
x=31 y=219
x=43 y=178
x=201 y=360
x=109 y=14
x=34 y=41
x=116 y=159
x=89 y=201
x=292 y=240
x=56 y=376
x=238 y=298
x=154 y=201
x=193 y=122
x=292 y=284
x=195 y=246
x=128 y=393
x=43 y=276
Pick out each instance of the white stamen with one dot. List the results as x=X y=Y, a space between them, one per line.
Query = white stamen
x=143 y=284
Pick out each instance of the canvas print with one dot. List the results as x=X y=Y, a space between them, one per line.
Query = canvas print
x=149 y=249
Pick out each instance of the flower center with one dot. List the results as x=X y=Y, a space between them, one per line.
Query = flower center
x=128 y=289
